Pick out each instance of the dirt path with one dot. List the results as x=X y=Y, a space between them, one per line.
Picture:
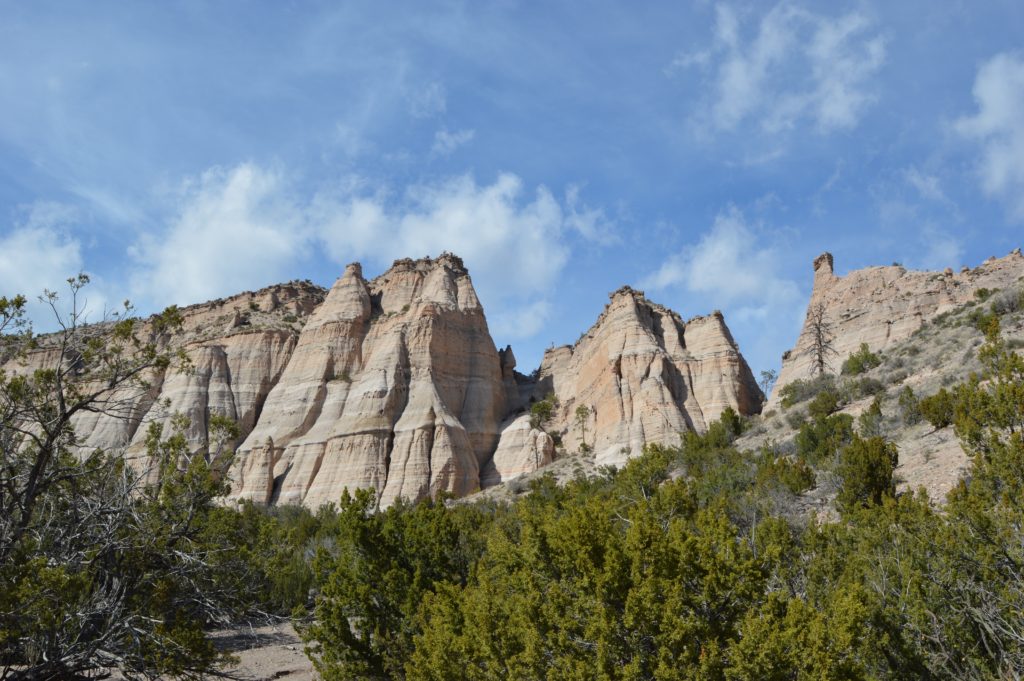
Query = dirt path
x=265 y=653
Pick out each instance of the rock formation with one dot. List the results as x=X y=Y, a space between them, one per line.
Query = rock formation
x=395 y=384
x=884 y=305
x=645 y=376
x=238 y=347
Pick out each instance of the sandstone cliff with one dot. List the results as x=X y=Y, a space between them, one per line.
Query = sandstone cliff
x=238 y=347
x=645 y=376
x=395 y=384
x=882 y=306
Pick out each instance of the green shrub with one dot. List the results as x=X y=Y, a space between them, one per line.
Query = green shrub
x=866 y=387
x=939 y=409
x=792 y=474
x=983 y=294
x=289 y=319
x=910 y=408
x=982 y=320
x=825 y=403
x=861 y=361
x=541 y=412
x=795 y=419
x=866 y=469
x=820 y=440
x=1008 y=302
x=801 y=390
x=732 y=422
x=870 y=421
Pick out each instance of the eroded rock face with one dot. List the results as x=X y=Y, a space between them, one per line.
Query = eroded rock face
x=395 y=384
x=884 y=305
x=522 y=449
x=238 y=347
x=645 y=376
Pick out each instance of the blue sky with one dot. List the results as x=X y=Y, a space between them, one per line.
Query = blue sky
x=704 y=152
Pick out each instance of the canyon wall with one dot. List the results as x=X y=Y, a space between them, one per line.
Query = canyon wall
x=395 y=384
x=644 y=375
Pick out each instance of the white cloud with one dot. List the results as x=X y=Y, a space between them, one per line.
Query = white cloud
x=797 y=65
x=928 y=186
x=429 y=100
x=590 y=223
x=234 y=229
x=243 y=228
x=446 y=142
x=514 y=242
x=520 y=321
x=349 y=139
x=41 y=253
x=998 y=127
x=727 y=266
x=730 y=269
x=514 y=245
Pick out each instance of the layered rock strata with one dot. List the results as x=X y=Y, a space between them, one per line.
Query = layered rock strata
x=644 y=376
x=395 y=384
x=237 y=348
x=881 y=306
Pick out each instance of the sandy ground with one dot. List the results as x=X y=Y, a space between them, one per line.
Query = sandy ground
x=269 y=652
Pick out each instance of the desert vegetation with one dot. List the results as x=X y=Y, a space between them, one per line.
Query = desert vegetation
x=689 y=563
x=698 y=560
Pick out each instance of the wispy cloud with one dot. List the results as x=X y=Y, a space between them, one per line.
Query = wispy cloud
x=246 y=227
x=998 y=128
x=794 y=66
x=234 y=229
x=428 y=100
x=732 y=269
x=729 y=265
x=514 y=243
x=40 y=253
x=446 y=142
x=928 y=186
x=591 y=223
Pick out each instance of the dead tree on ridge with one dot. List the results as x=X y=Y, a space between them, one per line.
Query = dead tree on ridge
x=822 y=337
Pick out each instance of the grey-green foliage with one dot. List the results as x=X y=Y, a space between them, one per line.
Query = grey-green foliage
x=861 y=361
x=910 y=408
x=101 y=566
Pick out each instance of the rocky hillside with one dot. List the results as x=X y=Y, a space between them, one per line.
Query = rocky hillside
x=923 y=330
x=238 y=346
x=395 y=384
x=882 y=306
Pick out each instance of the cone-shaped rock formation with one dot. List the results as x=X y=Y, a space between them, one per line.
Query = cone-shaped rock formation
x=395 y=384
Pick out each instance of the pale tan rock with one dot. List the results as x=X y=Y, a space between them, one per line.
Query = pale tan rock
x=233 y=369
x=521 y=450
x=646 y=376
x=395 y=385
x=881 y=306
